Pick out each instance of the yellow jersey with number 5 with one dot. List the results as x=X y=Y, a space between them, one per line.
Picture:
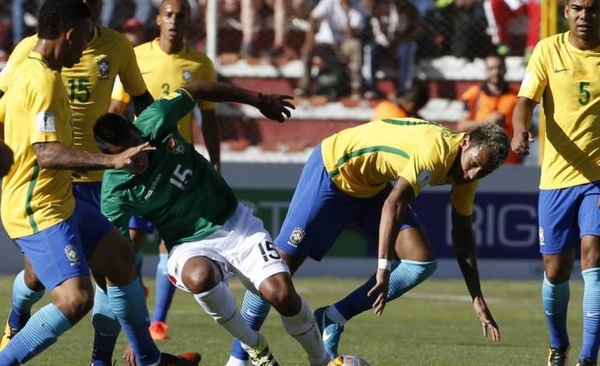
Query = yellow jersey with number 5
x=89 y=83
x=565 y=80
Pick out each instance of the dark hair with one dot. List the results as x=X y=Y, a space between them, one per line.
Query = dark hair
x=57 y=15
x=494 y=138
x=494 y=54
x=111 y=128
x=417 y=93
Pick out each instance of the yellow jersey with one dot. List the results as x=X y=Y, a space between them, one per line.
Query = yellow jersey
x=164 y=73
x=37 y=111
x=564 y=79
x=89 y=83
x=362 y=160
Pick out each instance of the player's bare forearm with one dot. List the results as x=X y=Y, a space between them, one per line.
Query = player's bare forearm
x=466 y=252
x=522 y=114
x=54 y=155
x=216 y=91
x=392 y=216
x=211 y=131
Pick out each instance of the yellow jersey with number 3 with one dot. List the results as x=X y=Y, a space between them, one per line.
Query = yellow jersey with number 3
x=164 y=73
x=362 y=160
x=565 y=80
x=89 y=83
x=37 y=111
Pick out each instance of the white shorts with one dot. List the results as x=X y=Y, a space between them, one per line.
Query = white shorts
x=241 y=247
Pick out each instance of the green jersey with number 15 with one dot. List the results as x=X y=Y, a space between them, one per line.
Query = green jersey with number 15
x=180 y=192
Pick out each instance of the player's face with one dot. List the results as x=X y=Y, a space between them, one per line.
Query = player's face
x=140 y=161
x=76 y=41
x=494 y=69
x=473 y=163
x=584 y=19
x=173 y=18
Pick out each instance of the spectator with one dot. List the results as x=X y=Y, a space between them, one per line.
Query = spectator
x=23 y=18
x=134 y=30
x=406 y=105
x=396 y=26
x=335 y=30
x=460 y=28
x=109 y=17
x=491 y=102
x=500 y=12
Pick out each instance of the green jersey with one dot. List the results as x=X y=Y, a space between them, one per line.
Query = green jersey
x=180 y=192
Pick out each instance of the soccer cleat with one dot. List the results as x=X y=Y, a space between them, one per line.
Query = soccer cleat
x=558 y=356
x=9 y=333
x=261 y=355
x=184 y=359
x=158 y=331
x=585 y=362
x=330 y=331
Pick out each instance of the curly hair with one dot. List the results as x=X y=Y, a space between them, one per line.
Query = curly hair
x=494 y=138
x=57 y=15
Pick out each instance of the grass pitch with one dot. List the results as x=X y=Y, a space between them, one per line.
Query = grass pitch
x=433 y=325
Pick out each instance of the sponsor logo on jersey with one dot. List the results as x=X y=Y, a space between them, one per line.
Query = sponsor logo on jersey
x=186 y=75
x=152 y=187
x=424 y=178
x=72 y=254
x=297 y=236
x=174 y=146
x=103 y=66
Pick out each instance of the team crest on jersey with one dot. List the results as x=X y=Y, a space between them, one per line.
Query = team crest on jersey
x=72 y=254
x=186 y=75
x=297 y=236
x=174 y=146
x=103 y=66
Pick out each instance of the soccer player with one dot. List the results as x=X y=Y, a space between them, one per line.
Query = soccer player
x=209 y=234
x=562 y=73
x=348 y=180
x=62 y=236
x=167 y=64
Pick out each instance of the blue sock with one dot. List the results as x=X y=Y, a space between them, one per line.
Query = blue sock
x=591 y=313
x=404 y=276
x=129 y=305
x=555 y=300
x=23 y=299
x=139 y=261
x=106 y=329
x=164 y=290
x=254 y=310
x=41 y=331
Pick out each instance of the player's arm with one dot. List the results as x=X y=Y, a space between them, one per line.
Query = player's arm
x=273 y=106
x=466 y=255
x=141 y=102
x=114 y=206
x=6 y=159
x=392 y=216
x=211 y=132
x=521 y=121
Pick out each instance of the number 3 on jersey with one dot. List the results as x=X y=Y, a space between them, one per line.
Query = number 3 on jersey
x=180 y=178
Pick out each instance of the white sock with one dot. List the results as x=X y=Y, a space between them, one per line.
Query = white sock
x=303 y=328
x=235 y=362
x=220 y=304
x=333 y=314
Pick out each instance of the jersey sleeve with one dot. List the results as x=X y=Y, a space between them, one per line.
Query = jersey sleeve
x=129 y=73
x=45 y=109
x=114 y=206
x=161 y=117
x=17 y=56
x=419 y=171
x=119 y=93
x=536 y=76
x=207 y=73
x=462 y=197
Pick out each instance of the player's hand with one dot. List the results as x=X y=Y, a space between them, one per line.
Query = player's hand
x=380 y=290
x=127 y=159
x=487 y=320
x=275 y=106
x=129 y=356
x=520 y=142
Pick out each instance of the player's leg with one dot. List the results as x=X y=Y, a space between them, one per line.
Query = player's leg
x=138 y=232
x=164 y=296
x=200 y=269
x=589 y=224
x=113 y=257
x=559 y=237
x=26 y=291
x=64 y=271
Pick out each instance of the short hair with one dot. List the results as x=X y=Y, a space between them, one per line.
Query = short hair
x=494 y=54
x=57 y=15
x=417 y=93
x=494 y=138
x=112 y=128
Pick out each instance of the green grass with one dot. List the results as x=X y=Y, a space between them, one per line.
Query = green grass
x=431 y=325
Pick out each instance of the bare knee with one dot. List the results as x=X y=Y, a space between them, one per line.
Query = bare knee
x=32 y=281
x=200 y=274
x=279 y=291
x=74 y=300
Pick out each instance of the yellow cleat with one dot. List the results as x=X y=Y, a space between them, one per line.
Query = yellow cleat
x=558 y=356
x=9 y=333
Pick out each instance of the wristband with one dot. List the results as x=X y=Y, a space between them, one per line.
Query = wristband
x=384 y=264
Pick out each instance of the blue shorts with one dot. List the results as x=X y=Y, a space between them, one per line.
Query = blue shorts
x=319 y=212
x=61 y=251
x=138 y=223
x=565 y=215
x=88 y=193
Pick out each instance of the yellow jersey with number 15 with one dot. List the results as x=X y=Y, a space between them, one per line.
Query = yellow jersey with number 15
x=565 y=80
x=37 y=111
